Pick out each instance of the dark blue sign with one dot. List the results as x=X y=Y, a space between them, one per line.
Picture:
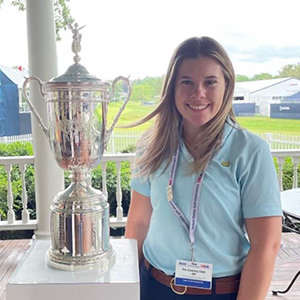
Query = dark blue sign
x=244 y=109
x=285 y=111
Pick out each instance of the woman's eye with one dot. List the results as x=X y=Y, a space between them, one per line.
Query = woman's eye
x=187 y=82
x=210 y=82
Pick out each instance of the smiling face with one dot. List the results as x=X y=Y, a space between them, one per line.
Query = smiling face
x=199 y=91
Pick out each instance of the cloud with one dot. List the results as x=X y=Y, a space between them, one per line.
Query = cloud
x=262 y=54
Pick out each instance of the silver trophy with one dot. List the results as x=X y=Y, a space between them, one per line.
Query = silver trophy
x=77 y=104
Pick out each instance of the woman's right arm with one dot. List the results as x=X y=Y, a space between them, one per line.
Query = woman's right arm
x=138 y=219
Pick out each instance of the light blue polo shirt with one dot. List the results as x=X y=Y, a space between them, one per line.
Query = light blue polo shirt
x=240 y=182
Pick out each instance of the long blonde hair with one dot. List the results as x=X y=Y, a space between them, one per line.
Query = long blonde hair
x=159 y=143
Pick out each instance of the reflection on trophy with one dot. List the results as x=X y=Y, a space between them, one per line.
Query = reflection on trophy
x=77 y=105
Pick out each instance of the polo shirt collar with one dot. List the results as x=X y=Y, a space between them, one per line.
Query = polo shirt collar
x=228 y=127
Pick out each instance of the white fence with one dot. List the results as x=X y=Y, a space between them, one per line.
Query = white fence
x=16 y=138
x=281 y=141
x=120 y=140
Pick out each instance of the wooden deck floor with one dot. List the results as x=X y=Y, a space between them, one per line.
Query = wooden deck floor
x=11 y=252
x=287 y=265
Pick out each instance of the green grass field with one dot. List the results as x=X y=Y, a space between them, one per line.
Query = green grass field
x=266 y=124
x=134 y=111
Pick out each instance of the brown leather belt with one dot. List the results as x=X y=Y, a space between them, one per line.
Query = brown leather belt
x=224 y=285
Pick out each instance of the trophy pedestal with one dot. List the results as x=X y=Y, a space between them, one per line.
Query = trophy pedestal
x=33 y=279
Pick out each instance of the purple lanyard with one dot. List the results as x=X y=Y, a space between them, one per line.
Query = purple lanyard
x=188 y=226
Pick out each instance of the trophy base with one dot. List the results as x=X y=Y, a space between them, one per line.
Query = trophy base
x=102 y=262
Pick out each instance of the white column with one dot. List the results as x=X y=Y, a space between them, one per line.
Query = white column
x=43 y=64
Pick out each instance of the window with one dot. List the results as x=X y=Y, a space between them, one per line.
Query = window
x=238 y=98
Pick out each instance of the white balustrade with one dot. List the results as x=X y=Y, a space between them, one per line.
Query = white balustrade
x=10 y=214
x=11 y=223
x=281 y=155
x=25 y=212
x=26 y=223
x=119 y=193
x=119 y=220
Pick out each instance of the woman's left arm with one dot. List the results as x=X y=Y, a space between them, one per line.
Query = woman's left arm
x=265 y=236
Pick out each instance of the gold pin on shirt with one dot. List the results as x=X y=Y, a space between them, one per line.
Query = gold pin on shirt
x=225 y=163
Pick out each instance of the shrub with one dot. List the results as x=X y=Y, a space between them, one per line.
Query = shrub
x=16 y=149
x=288 y=173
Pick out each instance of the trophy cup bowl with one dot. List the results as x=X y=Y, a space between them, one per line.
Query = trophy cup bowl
x=77 y=107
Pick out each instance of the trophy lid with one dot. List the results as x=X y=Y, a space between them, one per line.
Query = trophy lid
x=77 y=74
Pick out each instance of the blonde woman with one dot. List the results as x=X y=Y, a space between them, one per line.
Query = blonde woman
x=205 y=205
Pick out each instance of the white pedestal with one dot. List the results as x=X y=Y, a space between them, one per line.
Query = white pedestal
x=33 y=279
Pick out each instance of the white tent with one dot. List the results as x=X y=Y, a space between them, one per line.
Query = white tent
x=265 y=92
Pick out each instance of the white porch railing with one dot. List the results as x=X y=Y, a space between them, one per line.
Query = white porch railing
x=281 y=155
x=120 y=220
x=26 y=223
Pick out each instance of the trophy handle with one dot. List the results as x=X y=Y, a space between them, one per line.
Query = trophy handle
x=37 y=116
x=109 y=131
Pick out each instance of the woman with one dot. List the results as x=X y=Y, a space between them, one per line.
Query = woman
x=205 y=199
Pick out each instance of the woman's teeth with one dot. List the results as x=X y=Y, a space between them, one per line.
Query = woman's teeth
x=197 y=107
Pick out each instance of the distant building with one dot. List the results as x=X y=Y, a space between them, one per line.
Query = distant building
x=289 y=108
x=13 y=119
x=265 y=92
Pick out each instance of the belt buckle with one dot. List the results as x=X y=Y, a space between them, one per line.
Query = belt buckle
x=176 y=292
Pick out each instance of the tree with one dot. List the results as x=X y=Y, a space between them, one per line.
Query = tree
x=62 y=14
x=240 y=78
x=262 y=76
x=147 y=89
x=141 y=92
x=290 y=71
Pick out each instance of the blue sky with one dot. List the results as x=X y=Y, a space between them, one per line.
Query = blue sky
x=137 y=37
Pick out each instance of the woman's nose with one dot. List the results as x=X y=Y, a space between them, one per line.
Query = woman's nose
x=199 y=90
